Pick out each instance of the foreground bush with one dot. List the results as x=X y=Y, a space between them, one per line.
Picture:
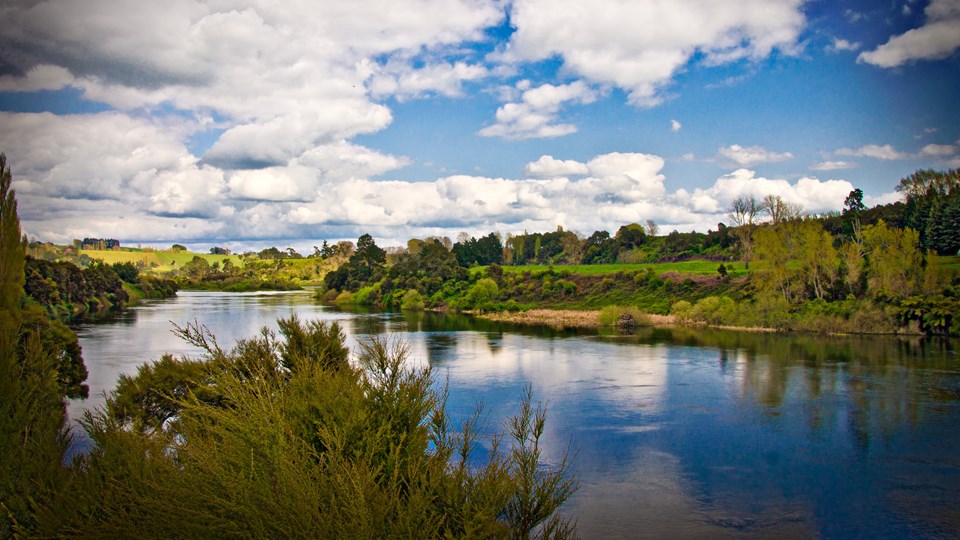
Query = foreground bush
x=290 y=438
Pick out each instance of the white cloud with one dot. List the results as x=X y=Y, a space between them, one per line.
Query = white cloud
x=283 y=77
x=535 y=115
x=342 y=160
x=938 y=38
x=939 y=150
x=289 y=183
x=99 y=156
x=843 y=45
x=751 y=155
x=675 y=126
x=812 y=194
x=885 y=198
x=41 y=77
x=885 y=152
x=275 y=141
x=639 y=46
x=401 y=79
x=160 y=193
x=833 y=165
x=548 y=167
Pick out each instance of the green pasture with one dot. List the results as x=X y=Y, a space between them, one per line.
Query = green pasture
x=158 y=261
x=951 y=263
x=699 y=267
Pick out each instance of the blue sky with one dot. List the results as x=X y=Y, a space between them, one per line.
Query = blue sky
x=250 y=124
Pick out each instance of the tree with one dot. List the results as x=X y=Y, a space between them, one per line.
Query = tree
x=894 y=261
x=743 y=211
x=817 y=256
x=779 y=210
x=652 y=228
x=284 y=437
x=364 y=266
x=933 y=208
x=33 y=441
x=631 y=236
x=482 y=294
x=795 y=258
x=772 y=270
x=270 y=253
x=178 y=248
x=196 y=268
x=853 y=204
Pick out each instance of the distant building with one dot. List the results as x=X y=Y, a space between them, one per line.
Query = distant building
x=99 y=243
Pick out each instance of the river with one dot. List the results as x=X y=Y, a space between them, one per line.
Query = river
x=677 y=432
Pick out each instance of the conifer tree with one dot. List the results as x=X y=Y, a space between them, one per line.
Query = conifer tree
x=33 y=441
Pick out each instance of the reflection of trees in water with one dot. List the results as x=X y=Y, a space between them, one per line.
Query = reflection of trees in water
x=871 y=385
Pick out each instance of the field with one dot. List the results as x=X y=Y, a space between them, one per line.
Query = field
x=951 y=263
x=699 y=267
x=157 y=261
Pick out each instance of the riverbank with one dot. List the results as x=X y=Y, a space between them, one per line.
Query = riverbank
x=568 y=318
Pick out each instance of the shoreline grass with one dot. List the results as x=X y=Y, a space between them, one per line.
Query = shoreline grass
x=694 y=266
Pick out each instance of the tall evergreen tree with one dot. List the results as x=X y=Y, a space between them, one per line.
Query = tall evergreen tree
x=33 y=441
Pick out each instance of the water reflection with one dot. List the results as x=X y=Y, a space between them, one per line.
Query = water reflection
x=690 y=433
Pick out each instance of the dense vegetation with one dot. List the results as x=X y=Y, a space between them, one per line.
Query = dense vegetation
x=853 y=271
x=276 y=438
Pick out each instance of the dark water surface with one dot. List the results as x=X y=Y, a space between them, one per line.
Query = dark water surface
x=678 y=433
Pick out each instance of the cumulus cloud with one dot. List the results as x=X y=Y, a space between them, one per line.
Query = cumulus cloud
x=675 y=125
x=548 y=167
x=939 y=150
x=843 y=45
x=885 y=152
x=639 y=46
x=833 y=165
x=812 y=194
x=161 y=193
x=400 y=79
x=751 y=155
x=99 y=156
x=937 y=38
x=275 y=141
x=535 y=115
x=41 y=77
x=283 y=77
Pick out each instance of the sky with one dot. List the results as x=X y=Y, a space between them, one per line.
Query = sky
x=249 y=124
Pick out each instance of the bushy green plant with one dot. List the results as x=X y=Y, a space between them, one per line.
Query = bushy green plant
x=612 y=315
x=482 y=294
x=412 y=300
x=715 y=310
x=681 y=311
x=298 y=442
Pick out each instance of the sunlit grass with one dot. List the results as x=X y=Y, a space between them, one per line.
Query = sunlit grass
x=950 y=262
x=157 y=261
x=698 y=267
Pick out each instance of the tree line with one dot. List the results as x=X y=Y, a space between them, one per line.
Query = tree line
x=277 y=437
x=860 y=270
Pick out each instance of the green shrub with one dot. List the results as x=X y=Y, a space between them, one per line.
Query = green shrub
x=291 y=440
x=413 y=300
x=482 y=294
x=681 y=310
x=611 y=315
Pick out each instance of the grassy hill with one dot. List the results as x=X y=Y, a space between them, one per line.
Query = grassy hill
x=695 y=267
x=157 y=261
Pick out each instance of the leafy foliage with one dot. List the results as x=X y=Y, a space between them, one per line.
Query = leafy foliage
x=281 y=438
x=33 y=441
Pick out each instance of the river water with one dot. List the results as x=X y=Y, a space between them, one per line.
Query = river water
x=677 y=433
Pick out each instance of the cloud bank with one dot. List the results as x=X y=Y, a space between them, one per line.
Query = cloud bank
x=145 y=186
x=937 y=38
